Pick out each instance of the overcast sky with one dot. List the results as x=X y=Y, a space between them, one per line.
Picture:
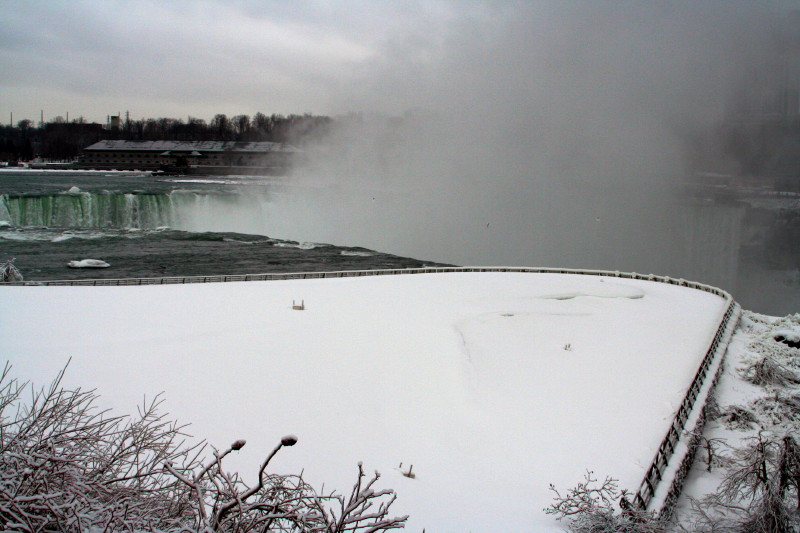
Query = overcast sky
x=199 y=58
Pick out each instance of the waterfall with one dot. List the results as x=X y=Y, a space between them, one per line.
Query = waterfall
x=92 y=210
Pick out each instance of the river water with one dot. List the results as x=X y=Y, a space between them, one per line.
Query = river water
x=145 y=226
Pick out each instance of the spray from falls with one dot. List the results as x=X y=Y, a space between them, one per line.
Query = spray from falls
x=539 y=134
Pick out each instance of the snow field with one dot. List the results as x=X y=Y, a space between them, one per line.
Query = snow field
x=493 y=385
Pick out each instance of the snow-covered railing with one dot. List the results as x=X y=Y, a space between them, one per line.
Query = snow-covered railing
x=690 y=414
x=357 y=273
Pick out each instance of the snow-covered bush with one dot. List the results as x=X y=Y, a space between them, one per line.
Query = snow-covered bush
x=737 y=418
x=760 y=491
x=222 y=501
x=589 y=507
x=9 y=273
x=768 y=372
x=66 y=465
x=775 y=338
x=778 y=410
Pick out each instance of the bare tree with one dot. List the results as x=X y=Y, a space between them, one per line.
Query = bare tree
x=221 y=127
x=241 y=126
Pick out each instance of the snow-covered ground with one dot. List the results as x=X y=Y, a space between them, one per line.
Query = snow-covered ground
x=492 y=385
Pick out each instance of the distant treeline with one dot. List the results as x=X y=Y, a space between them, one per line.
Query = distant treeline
x=60 y=140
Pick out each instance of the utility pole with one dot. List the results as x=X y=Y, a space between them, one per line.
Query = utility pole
x=41 y=119
x=11 y=120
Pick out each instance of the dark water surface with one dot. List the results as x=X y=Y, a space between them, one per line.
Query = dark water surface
x=156 y=253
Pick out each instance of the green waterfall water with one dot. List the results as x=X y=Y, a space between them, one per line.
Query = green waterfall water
x=93 y=210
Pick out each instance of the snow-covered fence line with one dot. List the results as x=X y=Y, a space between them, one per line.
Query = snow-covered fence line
x=357 y=273
x=680 y=442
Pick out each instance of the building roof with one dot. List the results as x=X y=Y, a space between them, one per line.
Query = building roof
x=189 y=146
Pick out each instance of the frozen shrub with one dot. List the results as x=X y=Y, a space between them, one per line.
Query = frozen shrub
x=778 y=410
x=737 y=418
x=712 y=408
x=590 y=508
x=9 y=273
x=606 y=521
x=67 y=466
x=768 y=372
x=768 y=514
x=713 y=448
x=222 y=501
x=760 y=491
x=780 y=341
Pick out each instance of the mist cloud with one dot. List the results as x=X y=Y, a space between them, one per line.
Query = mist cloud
x=539 y=134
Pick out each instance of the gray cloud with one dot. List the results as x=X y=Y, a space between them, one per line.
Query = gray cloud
x=165 y=59
x=201 y=58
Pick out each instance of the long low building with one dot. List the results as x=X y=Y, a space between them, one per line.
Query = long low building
x=190 y=157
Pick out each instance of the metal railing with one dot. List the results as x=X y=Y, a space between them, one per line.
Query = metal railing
x=172 y=280
x=647 y=489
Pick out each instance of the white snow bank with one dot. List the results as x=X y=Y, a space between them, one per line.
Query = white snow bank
x=603 y=290
x=301 y=245
x=88 y=263
x=464 y=376
x=788 y=334
x=199 y=180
